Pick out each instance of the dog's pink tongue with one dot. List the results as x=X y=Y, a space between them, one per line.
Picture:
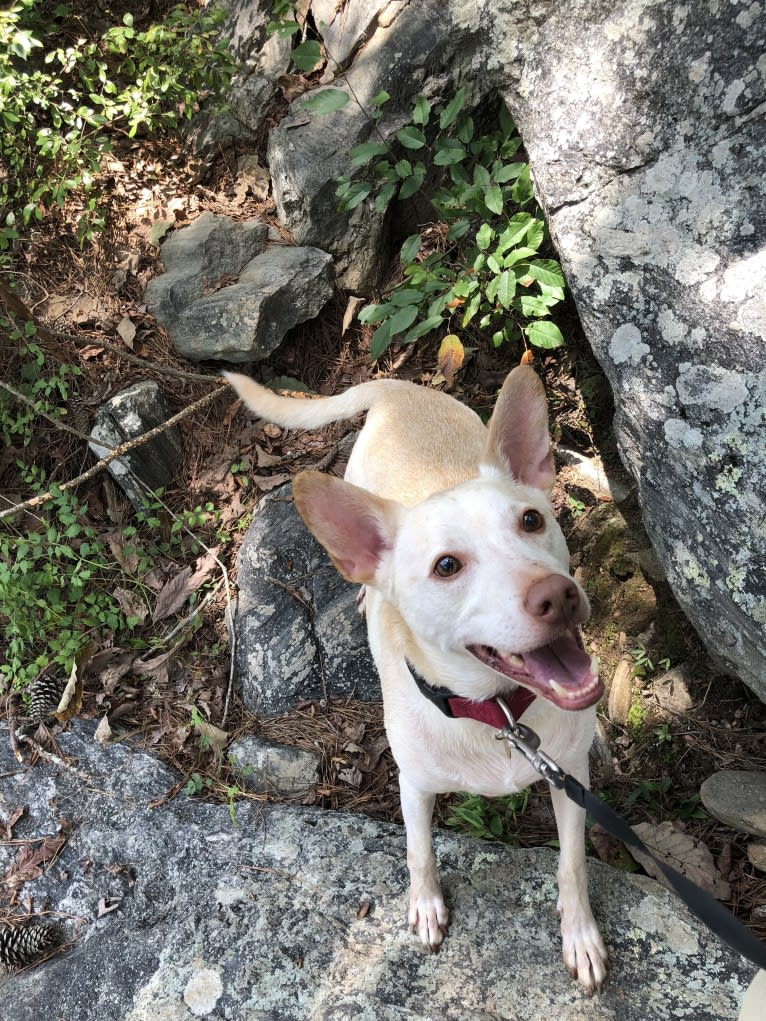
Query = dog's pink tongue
x=562 y=660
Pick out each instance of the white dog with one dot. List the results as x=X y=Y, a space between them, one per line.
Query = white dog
x=468 y=595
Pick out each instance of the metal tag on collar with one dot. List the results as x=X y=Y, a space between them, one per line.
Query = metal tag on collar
x=527 y=741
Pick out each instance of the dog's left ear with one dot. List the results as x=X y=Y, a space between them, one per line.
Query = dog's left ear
x=356 y=528
x=518 y=438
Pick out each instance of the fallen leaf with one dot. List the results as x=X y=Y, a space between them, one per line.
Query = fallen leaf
x=692 y=858
x=31 y=860
x=127 y=331
x=160 y=229
x=211 y=735
x=262 y=459
x=127 y=561
x=268 y=482
x=71 y=699
x=450 y=357
x=107 y=905
x=10 y=822
x=352 y=776
x=103 y=734
x=177 y=590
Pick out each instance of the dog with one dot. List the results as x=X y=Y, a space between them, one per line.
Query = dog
x=447 y=526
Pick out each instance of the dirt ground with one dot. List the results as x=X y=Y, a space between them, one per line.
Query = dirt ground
x=650 y=763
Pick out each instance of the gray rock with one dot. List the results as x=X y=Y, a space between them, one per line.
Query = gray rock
x=246 y=321
x=198 y=257
x=268 y=766
x=125 y=416
x=298 y=634
x=294 y=913
x=262 y=58
x=649 y=152
x=209 y=317
x=426 y=49
x=737 y=798
x=670 y=691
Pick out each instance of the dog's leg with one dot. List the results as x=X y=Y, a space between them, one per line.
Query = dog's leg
x=428 y=912
x=582 y=946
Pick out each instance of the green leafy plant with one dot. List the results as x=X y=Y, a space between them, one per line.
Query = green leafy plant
x=642 y=662
x=663 y=734
x=64 y=92
x=488 y=270
x=48 y=388
x=488 y=818
x=576 y=507
x=56 y=589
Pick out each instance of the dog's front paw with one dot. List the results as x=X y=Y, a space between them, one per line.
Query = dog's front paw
x=583 y=951
x=428 y=917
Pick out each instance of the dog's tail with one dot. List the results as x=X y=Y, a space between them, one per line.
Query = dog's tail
x=294 y=413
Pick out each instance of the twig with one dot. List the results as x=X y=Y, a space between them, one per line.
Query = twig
x=224 y=571
x=56 y=760
x=197 y=609
x=124 y=448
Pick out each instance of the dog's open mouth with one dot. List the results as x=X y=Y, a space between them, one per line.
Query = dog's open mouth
x=561 y=671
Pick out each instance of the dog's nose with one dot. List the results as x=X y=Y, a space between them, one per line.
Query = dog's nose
x=555 y=600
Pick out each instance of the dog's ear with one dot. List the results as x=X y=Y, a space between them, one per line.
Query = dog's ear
x=518 y=431
x=356 y=528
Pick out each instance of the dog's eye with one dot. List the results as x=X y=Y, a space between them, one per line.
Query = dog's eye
x=445 y=567
x=532 y=521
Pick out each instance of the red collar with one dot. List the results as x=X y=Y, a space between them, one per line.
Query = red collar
x=488 y=712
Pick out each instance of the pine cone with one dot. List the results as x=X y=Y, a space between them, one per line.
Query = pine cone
x=22 y=945
x=44 y=697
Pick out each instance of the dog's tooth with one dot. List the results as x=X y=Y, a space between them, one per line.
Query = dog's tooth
x=595 y=665
x=560 y=689
x=515 y=660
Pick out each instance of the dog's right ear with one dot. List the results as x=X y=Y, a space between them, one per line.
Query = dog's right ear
x=356 y=528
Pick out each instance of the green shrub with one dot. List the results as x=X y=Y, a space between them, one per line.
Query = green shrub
x=63 y=93
x=490 y=272
x=56 y=589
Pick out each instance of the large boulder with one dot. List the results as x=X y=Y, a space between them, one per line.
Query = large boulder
x=643 y=129
x=179 y=909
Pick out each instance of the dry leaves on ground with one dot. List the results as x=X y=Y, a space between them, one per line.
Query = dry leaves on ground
x=682 y=852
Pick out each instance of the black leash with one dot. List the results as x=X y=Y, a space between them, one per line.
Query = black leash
x=717 y=918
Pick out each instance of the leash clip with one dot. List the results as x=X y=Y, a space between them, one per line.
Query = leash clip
x=527 y=741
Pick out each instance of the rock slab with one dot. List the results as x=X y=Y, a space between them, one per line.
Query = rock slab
x=295 y=913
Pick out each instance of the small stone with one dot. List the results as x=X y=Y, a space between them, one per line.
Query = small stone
x=671 y=692
x=266 y=765
x=737 y=798
x=756 y=854
x=621 y=692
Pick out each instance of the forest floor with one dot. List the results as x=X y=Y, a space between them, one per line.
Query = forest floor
x=651 y=763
